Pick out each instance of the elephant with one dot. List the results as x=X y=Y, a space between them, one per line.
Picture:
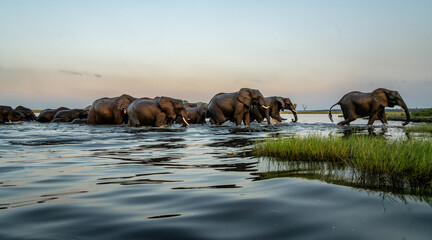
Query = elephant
x=27 y=113
x=8 y=114
x=69 y=115
x=194 y=115
x=234 y=106
x=47 y=115
x=358 y=104
x=156 y=112
x=110 y=110
x=276 y=104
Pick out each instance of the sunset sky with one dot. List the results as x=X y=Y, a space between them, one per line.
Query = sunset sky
x=69 y=53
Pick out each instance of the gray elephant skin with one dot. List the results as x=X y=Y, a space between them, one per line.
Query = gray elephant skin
x=110 y=110
x=234 y=106
x=358 y=104
x=156 y=112
x=276 y=104
x=8 y=114
x=47 y=115
x=69 y=115
x=195 y=115
x=28 y=114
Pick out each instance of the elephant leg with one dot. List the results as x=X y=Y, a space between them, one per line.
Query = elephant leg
x=346 y=122
x=118 y=118
x=279 y=118
x=217 y=117
x=161 y=120
x=133 y=120
x=383 y=118
x=246 y=119
x=212 y=121
x=238 y=120
x=372 y=118
x=348 y=116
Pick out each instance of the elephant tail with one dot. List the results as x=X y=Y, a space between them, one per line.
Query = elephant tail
x=330 y=114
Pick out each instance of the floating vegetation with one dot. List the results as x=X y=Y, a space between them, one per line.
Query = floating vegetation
x=403 y=159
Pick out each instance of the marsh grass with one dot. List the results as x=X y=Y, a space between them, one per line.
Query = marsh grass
x=403 y=159
x=422 y=128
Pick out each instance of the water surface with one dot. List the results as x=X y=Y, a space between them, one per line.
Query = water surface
x=64 y=181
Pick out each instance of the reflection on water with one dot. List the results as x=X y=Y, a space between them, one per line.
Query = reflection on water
x=345 y=176
x=65 y=181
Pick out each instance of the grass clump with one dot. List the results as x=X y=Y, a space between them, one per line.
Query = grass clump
x=422 y=128
x=409 y=159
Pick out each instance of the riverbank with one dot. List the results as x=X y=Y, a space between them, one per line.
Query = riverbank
x=404 y=160
x=415 y=117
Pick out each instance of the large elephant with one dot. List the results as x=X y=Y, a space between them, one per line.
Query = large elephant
x=47 y=115
x=110 y=110
x=70 y=115
x=156 y=112
x=194 y=115
x=358 y=104
x=8 y=114
x=276 y=104
x=234 y=106
x=27 y=113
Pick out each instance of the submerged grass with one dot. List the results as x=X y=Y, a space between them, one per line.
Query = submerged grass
x=404 y=159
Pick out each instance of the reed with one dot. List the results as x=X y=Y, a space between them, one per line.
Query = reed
x=403 y=159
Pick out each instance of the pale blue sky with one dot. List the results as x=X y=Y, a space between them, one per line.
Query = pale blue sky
x=70 y=53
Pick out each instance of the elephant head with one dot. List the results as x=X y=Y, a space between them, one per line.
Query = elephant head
x=285 y=103
x=122 y=103
x=389 y=98
x=27 y=113
x=173 y=108
x=8 y=114
x=251 y=97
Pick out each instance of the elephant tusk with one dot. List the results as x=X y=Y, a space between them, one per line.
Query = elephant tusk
x=266 y=107
x=184 y=120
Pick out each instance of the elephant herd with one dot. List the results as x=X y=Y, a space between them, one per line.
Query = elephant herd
x=245 y=105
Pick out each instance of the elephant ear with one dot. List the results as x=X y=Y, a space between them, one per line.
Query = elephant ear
x=281 y=103
x=379 y=96
x=167 y=106
x=123 y=102
x=244 y=96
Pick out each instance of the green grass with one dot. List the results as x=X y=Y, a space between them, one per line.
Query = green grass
x=423 y=113
x=422 y=128
x=416 y=116
x=407 y=159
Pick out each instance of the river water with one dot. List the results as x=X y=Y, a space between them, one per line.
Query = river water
x=64 y=181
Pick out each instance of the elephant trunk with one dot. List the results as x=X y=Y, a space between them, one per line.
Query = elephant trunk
x=405 y=108
x=294 y=112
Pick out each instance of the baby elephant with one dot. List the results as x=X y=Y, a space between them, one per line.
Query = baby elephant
x=358 y=104
x=194 y=115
